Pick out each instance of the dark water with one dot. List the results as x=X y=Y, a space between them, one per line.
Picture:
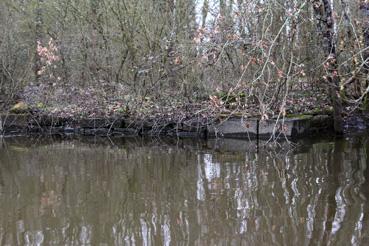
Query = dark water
x=136 y=192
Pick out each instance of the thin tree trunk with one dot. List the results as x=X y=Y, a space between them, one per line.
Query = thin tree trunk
x=171 y=43
x=205 y=10
x=38 y=38
x=364 y=7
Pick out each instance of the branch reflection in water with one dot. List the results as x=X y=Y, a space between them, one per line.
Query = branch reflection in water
x=141 y=192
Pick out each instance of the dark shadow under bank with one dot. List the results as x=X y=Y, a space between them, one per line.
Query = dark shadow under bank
x=233 y=127
x=294 y=128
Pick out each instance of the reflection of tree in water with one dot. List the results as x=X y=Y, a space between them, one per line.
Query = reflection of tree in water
x=68 y=193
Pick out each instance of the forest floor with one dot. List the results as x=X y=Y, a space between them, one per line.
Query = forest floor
x=94 y=102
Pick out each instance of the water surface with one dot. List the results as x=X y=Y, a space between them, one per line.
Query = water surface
x=155 y=192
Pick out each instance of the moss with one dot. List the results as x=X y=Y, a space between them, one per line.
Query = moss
x=122 y=110
x=228 y=98
x=19 y=108
x=327 y=111
x=299 y=116
x=19 y=149
x=40 y=105
x=365 y=104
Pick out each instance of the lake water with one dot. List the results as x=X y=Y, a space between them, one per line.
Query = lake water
x=169 y=192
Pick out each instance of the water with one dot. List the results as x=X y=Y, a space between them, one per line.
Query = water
x=155 y=192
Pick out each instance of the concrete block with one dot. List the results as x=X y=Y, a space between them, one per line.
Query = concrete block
x=291 y=127
x=235 y=128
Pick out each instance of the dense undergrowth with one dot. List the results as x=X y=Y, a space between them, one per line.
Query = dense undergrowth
x=174 y=60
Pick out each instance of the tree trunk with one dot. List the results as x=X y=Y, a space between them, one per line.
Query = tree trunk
x=326 y=26
x=364 y=7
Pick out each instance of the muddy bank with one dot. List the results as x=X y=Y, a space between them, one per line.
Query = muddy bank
x=125 y=127
x=226 y=127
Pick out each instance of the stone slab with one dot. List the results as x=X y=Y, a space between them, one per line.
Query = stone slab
x=291 y=127
x=234 y=128
x=265 y=129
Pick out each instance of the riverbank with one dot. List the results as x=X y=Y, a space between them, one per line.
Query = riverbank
x=212 y=119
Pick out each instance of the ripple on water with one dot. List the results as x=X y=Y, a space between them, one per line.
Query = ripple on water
x=130 y=192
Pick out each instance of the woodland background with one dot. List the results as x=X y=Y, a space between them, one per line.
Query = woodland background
x=177 y=58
